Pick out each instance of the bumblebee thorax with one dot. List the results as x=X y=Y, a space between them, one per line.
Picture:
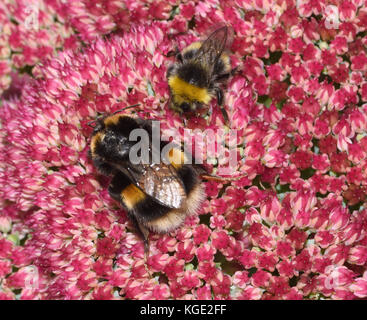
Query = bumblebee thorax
x=193 y=74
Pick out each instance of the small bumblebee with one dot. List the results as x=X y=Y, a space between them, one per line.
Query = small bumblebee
x=199 y=72
x=157 y=196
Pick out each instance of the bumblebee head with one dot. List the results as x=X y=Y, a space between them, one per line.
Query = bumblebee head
x=110 y=139
x=182 y=105
x=187 y=96
x=185 y=106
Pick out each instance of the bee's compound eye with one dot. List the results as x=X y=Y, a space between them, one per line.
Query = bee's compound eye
x=185 y=107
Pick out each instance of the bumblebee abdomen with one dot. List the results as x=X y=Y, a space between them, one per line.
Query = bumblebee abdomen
x=227 y=62
x=193 y=188
x=167 y=222
x=192 y=47
x=223 y=65
x=191 y=50
x=173 y=218
x=189 y=178
x=131 y=196
x=150 y=213
x=147 y=210
x=186 y=172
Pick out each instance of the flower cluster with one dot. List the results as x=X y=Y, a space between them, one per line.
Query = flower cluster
x=34 y=30
x=31 y=31
x=293 y=227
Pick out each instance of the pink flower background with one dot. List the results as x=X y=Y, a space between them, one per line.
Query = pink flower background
x=295 y=225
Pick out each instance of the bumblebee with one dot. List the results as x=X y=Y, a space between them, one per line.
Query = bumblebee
x=199 y=72
x=157 y=196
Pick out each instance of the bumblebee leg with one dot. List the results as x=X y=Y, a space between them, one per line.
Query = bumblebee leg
x=171 y=53
x=118 y=183
x=175 y=53
x=143 y=233
x=103 y=167
x=219 y=94
x=170 y=70
x=234 y=71
x=223 y=77
x=179 y=57
x=225 y=116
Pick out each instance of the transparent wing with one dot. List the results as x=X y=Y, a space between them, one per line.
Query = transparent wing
x=213 y=47
x=160 y=181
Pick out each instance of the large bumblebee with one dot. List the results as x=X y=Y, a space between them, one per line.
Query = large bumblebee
x=157 y=196
x=199 y=72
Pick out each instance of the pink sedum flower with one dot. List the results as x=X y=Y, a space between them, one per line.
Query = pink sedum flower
x=359 y=288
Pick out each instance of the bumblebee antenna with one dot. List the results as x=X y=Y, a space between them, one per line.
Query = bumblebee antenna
x=90 y=122
x=129 y=107
x=117 y=111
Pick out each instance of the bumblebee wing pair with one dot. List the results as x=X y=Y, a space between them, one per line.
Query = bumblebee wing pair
x=160 y=181
x=211 y=50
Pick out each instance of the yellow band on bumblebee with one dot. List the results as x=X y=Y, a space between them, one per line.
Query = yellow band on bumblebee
x=191 y=92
